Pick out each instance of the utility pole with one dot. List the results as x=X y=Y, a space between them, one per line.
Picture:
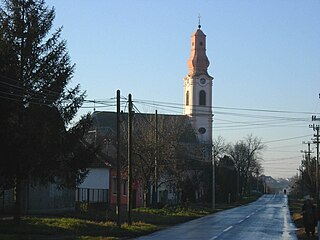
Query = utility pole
x=315 y=127
x=129 y=202
x=118 y=162
x=17 y=186
x=155 y=196
x=213 y=178
x=308 y=159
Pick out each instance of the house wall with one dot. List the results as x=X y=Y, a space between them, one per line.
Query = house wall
x=137 y=191
x=97 y=178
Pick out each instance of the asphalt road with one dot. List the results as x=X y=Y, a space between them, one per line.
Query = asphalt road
x=266 y=218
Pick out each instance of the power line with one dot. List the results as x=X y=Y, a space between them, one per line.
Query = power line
x=286 y=139
x=180 y=105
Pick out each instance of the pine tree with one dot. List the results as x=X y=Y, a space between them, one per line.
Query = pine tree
x=37 y=140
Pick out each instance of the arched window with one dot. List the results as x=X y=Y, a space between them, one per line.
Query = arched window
x=202 y=98
x=187 y=98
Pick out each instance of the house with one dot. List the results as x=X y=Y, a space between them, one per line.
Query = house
x=95 y=188
x=137 y=191
x=99 y=187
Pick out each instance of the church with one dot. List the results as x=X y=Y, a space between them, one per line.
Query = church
x=197 y=116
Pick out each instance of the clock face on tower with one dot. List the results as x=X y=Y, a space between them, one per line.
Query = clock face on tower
x=202 y=81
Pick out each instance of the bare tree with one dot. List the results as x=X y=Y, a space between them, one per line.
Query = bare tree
x=174 y=136
x=220 y=148
x=246 y=154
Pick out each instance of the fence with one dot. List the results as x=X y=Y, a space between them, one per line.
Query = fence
x=6 y=200
x=89 y=195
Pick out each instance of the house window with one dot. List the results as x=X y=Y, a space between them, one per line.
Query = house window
x=140 y=190
x=187 y=98
x=202 y=98
x=124 y=187
x=114 y=185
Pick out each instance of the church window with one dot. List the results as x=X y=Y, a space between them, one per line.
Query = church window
x=187 y=98
x=202 y=130
x=202 y=98
x=201 y=43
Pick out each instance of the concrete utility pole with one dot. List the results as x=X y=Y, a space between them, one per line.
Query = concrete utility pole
x=129 y=202
x=118 y=162
x=213 y=179
x=155 y=197
x=316 y=127
x=308 y=157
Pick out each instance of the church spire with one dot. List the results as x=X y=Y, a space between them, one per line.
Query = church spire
x=199 y=22
x=198 y=62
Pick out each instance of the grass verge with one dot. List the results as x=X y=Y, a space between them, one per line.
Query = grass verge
x=295 y=206
x=70 y=228
x=145 y=220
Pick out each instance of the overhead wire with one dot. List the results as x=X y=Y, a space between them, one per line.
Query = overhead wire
x=18 y=86
x=269 y=121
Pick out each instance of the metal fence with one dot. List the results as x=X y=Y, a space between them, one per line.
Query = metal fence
x=89 y=195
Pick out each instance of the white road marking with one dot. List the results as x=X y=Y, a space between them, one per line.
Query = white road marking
x=286 y=229
x=227 y=229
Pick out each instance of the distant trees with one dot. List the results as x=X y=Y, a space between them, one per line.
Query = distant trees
x=240 y=161
x=38 y=142
x=181 y=161
x=246 y=155
x=305 y=182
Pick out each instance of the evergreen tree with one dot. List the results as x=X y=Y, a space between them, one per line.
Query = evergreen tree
x=37 y=140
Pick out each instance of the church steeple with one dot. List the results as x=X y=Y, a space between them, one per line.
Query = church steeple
x=198 y=62
x=198 y=89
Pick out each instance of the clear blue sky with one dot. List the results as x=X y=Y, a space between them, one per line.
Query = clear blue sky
x=263 y=54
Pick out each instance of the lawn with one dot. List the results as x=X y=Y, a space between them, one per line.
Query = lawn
x=145 y=220
x=69 y=228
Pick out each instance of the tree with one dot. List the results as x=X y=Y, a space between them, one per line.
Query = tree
x=174 y=136
x=226 y=179
x=219 y=148
x=246 y=155
x=37 y=138
x=307 y=179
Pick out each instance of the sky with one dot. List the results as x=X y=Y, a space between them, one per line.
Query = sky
x=264 y=57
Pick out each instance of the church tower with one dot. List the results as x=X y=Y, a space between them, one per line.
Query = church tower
x=198 y=89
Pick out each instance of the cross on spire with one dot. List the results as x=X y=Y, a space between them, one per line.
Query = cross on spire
x=199 y=21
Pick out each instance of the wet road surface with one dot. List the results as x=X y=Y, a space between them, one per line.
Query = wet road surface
x=266 y=218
